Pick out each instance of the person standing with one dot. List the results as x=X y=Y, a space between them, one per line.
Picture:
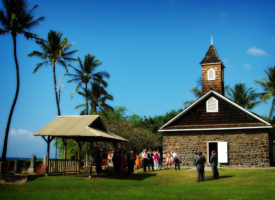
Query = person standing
x=137 y=162
x=195 y=158
x=200 y=167
x=176 y=159
x=98 y=162
x=73 y=155
x=131 y=163
x=214 y=164
x=150 y=160
x=172 y=158
x=168 y=158
x=144 y=160
x=156 y=160
x=160 y=160
x=123 y=163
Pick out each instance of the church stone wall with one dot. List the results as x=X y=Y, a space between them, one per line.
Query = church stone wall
x=246 y=148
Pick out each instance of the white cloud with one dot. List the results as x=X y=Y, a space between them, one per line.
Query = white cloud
x=172 y=2
x=223 y=15
x=21 y=132
x=22 y=143
x=247 y=66
x=256 y=52
x=225 y=61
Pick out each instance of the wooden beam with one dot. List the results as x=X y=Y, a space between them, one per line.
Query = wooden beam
x=91 y=167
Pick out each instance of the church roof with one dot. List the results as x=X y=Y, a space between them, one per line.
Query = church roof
x=211 y=56
x=201 y=121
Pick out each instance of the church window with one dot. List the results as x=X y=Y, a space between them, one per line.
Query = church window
x=212 y=105
x=211 y=74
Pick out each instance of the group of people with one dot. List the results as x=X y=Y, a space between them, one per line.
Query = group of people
x=199 y=161
x=151 y=159
x=173 y=159
x=122 y=161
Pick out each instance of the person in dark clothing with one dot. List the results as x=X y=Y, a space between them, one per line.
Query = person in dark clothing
x=200 y=167
x=214 y=164
x=73 y=155
x=150 y=160
x=144 y=160
x=98 y=162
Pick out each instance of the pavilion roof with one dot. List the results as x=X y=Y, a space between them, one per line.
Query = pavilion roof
x=78 y=126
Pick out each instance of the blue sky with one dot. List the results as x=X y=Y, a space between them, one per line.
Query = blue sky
x=151 y=49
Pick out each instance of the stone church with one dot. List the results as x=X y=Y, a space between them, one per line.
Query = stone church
x=214 y=122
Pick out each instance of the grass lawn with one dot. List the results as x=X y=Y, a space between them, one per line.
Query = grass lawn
x=164 y=184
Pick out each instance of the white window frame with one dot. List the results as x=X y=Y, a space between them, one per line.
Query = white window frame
x=214 y=74
x=217 y=105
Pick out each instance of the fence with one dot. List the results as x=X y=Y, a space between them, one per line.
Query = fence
x=62 y=165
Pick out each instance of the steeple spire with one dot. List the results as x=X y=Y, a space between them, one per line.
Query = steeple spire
x=211 y=40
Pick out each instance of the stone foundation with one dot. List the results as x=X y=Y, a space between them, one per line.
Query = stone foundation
x=246 y=148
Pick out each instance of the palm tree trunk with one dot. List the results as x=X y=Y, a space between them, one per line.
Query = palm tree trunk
x=4 y=153
x=56 y=96
x=87 y=101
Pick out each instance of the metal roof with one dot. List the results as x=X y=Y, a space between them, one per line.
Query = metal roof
x=78 y=126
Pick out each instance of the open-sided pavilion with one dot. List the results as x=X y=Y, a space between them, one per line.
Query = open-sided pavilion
x=81 y=129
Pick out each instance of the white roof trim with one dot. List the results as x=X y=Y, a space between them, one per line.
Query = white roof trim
x=211 y=63
x=209 y=129
x=222 y=97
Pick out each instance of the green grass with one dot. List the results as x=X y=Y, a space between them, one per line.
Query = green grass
x=163 y=184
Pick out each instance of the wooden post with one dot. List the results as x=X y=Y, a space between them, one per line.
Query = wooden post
x=79 y=150
x=48 y=155
x=65 y=141
x=91 y=167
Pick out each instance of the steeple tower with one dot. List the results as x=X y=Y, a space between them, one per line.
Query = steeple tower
x=212 y=71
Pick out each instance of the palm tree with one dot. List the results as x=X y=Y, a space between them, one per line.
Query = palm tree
x=268 y=84
x=16 y=19
x=197 y=92
x=246 y=98
x=97 y=96
x=54 y=50
x=86 y=74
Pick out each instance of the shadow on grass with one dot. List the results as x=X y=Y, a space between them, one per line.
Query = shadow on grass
x=138 y=177
x=221 y=177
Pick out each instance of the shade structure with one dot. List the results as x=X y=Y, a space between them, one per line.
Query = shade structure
x=80 y=127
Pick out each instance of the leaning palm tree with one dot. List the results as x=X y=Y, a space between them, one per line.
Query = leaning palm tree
x=87 y=74
x=246 y=98
x=196 y=91
x=54 y=50
x=16 y=19
x=97 y=97
x=268 y=84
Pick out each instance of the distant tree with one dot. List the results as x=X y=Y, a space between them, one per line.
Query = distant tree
x=139 y=137
x=246 y=98
x=54 y=50
x=16 y=19
x=87 y=74
x=153 y=123
x=97 y=97
x=268 y=84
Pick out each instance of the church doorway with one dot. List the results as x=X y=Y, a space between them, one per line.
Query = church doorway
x=210 y=147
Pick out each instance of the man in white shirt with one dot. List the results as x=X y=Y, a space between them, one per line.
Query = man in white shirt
x=176 y=159
x=144 y=160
